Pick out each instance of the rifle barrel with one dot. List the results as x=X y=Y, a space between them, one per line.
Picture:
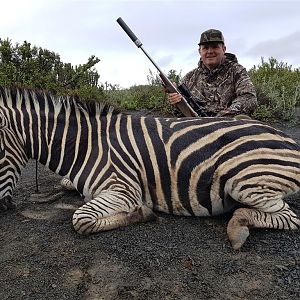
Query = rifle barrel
x=129 y=32
x=136 y=41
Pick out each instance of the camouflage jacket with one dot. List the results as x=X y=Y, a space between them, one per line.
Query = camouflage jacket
x=224 y=91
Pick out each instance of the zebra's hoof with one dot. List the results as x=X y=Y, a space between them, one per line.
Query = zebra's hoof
x=237 y=234
x=240 y=238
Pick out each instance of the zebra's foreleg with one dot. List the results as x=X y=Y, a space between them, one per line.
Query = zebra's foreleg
x=109 y=211
x=245 y=218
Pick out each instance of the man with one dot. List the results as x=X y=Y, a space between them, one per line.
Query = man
x=220 y=84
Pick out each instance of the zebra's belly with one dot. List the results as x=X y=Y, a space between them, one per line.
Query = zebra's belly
x=194 y=207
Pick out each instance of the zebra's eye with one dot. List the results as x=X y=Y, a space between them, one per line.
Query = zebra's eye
x=3 y=121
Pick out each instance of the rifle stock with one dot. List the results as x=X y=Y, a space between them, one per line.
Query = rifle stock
x=183 y=105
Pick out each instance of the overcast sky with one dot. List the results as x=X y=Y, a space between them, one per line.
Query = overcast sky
x=169 y=31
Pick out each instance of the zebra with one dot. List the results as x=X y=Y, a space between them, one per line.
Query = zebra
x=129 y=166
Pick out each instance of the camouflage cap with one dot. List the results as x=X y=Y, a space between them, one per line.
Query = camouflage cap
x=211 y=35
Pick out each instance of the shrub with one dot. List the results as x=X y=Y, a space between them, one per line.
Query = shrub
x=39 y=68
x=140 y=97
x=278 y=90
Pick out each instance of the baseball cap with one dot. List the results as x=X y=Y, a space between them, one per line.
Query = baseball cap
x=211 y=35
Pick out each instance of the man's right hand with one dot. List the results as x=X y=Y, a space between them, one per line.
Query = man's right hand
x=174 y=98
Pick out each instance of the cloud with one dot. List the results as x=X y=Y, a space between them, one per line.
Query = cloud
x=286 y=47
x=13 y=12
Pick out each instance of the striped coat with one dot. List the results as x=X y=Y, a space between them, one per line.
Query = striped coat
x=128 y=166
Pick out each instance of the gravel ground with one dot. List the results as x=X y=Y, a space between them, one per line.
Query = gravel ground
x=173 y=258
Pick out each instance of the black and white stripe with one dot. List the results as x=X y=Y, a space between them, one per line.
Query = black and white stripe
x=126 y=166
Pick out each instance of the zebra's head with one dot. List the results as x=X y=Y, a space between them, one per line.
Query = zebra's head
x=9 y=169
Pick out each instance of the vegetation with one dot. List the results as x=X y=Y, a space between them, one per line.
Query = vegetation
x=277 y=84
x=151 y=97
x=42 y=69
x=278 y=90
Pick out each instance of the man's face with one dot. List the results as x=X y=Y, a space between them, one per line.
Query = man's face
x=212 y=54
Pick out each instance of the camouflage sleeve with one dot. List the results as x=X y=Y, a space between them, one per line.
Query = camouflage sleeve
x=245 y=101
x=188 y=78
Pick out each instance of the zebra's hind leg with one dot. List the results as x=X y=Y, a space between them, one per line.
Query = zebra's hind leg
x=109 y=211
x=278 y=217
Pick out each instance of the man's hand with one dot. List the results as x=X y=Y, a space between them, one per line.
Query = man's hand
x=174 y=98
x=225 y=113
x=229 y=113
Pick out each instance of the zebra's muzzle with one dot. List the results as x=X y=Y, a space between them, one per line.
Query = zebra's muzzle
x=7 y=203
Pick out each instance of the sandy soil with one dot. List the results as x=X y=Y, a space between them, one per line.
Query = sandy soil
x=41 y=256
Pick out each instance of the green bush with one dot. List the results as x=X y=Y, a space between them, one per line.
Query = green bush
x=39 y=68
x=139 y=97
x=278 y=90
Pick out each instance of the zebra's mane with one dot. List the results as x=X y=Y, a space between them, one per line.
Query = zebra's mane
x=16 y=93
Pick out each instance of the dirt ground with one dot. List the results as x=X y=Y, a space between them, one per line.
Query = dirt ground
x=41 y=257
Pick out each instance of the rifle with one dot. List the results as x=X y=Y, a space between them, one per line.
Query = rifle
x=196 y=103
x=183 y=105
